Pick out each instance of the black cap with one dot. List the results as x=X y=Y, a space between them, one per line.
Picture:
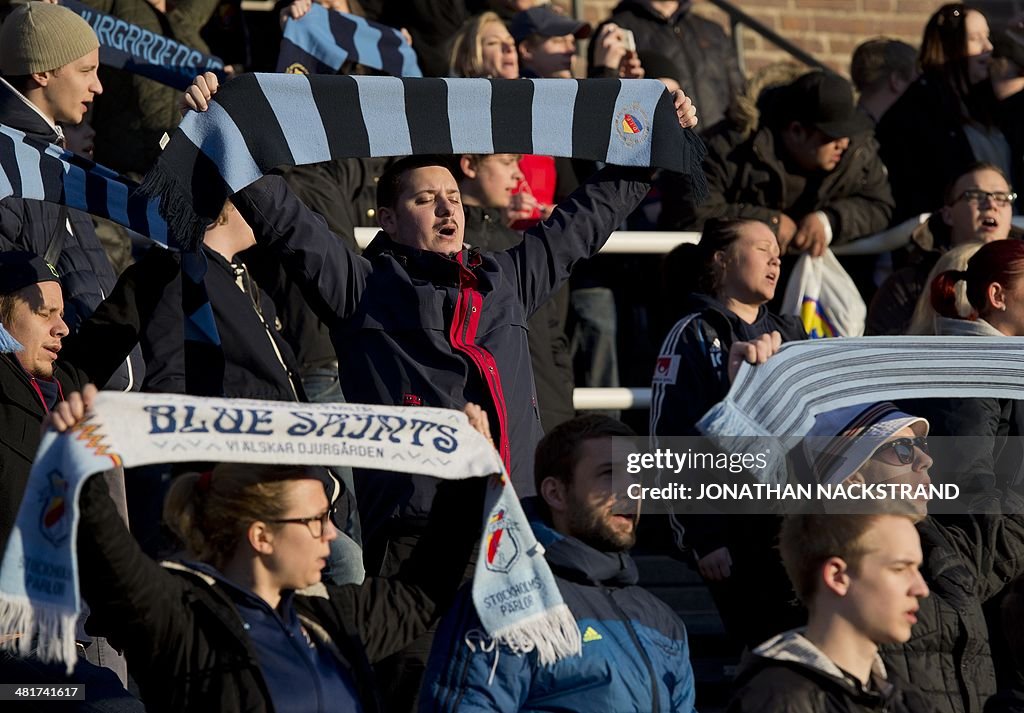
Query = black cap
x=824 y=100
x=20 y=269
x=542 y=20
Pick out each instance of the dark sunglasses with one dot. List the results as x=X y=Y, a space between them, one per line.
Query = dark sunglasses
x=903 y=448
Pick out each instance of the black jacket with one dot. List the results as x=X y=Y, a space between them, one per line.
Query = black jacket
x=747 y=179
x=704 y=56
x=85 y=272
x=546 y=337
x=420 y=328
x=785 y=677
x=924 y=146
x=257 y=363
x=948 y=656
x=185 y=640
x=87 y=357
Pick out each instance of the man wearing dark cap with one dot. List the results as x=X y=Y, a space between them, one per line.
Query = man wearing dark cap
x=546 y=42
x=49 y=58
x=811 y=171
x=38 y=367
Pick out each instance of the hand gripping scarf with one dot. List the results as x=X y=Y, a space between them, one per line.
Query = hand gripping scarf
x=322 y=40
x=39 y=592
x=770 y=407
x=259 y=122
x=144 y=52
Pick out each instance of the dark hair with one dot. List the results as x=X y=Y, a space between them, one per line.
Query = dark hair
x=876 y=60
x=944 y=55
x=806 y=542
x=949 y=197
x=7 y=305
x=558 y=452
x=718 y=235
x=389 y=187
x=1000 y=261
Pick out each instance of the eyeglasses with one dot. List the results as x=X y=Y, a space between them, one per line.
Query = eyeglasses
x=317 y=524
x=976 y=196
x=902 y=448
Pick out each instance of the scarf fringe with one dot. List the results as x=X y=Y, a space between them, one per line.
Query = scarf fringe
x=47 y=631
x=553 y=634
x=8 y=344
x=733 y=431
x=185 y=227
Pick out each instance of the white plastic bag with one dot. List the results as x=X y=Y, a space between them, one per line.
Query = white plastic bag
x=824 y=297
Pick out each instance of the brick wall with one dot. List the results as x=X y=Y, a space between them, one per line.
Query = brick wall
x=828 y=29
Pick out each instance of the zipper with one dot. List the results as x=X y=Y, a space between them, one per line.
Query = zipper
x=655 y=698
x=244 y=283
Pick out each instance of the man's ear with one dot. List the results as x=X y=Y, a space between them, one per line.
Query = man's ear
x=947 y=215
x=855 y=478
x=387 y=220
x=553 y=492
x=795 y=131
x=41 y=78
x=835 y=576
x=468 y=165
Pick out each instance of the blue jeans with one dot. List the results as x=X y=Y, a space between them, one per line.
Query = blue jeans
x=345 y=563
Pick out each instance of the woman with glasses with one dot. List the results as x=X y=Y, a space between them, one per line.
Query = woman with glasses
x=244 y=623
x=949 y=117
x=986 y=457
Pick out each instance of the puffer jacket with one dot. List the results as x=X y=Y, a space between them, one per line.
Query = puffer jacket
x=635 y=652
x=705 y=58
x=788 y=674
x=420 y=328
x=948 y=656
x=86 y=275
x=190 y=650
x=747 y=179
x=133 y=112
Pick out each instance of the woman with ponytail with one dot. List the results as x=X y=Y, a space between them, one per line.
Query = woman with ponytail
x=243 y=623
x=987 y=457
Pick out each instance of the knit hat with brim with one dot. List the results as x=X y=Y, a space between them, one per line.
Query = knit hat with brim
x=38 y=37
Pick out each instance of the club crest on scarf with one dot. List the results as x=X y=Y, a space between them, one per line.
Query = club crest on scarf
x=502 y=544
x=52 y=523
x=632 y=122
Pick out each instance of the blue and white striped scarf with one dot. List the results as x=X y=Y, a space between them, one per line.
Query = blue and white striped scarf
x=323 y=40
x=772 y=406
x=259 y=122
x=39 y=584
x=143 y=52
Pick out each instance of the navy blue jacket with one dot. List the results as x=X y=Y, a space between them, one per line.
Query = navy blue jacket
x=420 y=328
x=635 y=652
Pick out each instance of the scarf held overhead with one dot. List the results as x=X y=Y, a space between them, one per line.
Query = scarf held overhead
x=258 y=122
x=770 y=407
x=322 y=40
x=144 y=52
x=39 y=586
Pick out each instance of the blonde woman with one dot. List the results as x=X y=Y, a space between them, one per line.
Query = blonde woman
x=483 y=47
x=923 y=322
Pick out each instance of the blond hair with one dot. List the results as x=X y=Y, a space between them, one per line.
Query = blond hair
x=923 y=321
x=467 y=57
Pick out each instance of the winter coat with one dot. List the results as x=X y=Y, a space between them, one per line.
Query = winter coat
x=420 y=328
x=549 y=346
x=133 y=112
x=704 y=56
x=256 y=362
x=924 y=146
x=976 y=442
x=190 y=650
x=635 y=652
x=747 y=179
x=87 y=357
x=966 y=564
x=85 y=272
x=788 y=674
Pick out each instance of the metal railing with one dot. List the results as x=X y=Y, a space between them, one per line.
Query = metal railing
x=739 y=19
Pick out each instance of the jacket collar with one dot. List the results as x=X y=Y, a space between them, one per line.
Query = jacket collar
x=965 y=328
x=793 y=647
x=423 y=263
x=19 y=113
x=576 y=561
